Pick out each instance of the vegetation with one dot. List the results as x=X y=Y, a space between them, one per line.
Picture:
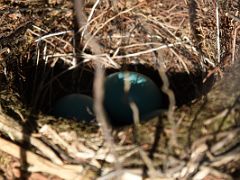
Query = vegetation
x=52 y=48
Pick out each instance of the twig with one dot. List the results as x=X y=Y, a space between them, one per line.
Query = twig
x=181 y=61
x=85 y=152
x=205 y=171
x=52 y=34
x=172 y=101
x=10 y=127
x=98 y=91
x=90 y=16
x=40 y=164
x=218 y=32
x=148 y=50
x=82 y=21
x=234 y=43
x=90 y=38
x=235 y=18
x=196 y=158
x=153 y=173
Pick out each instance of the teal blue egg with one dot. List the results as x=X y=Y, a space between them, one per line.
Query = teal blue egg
x=143 y=92
x=74 y=106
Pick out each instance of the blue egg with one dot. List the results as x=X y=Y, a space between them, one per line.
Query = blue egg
x=143 y=92
x=74 y=106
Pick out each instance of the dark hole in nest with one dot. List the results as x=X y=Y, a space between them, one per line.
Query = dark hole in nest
x=186 y=87
x=44 y=85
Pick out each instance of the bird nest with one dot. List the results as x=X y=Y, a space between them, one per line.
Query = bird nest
x=56 y=48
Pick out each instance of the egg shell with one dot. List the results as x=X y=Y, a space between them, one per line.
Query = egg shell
x=74 y=106
x=143 y=92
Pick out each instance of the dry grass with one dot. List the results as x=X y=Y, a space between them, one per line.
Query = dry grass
x=66 y=48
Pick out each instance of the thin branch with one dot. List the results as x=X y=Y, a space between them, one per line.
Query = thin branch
x=98 y=90
x=218 y=32
x=40 y=164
